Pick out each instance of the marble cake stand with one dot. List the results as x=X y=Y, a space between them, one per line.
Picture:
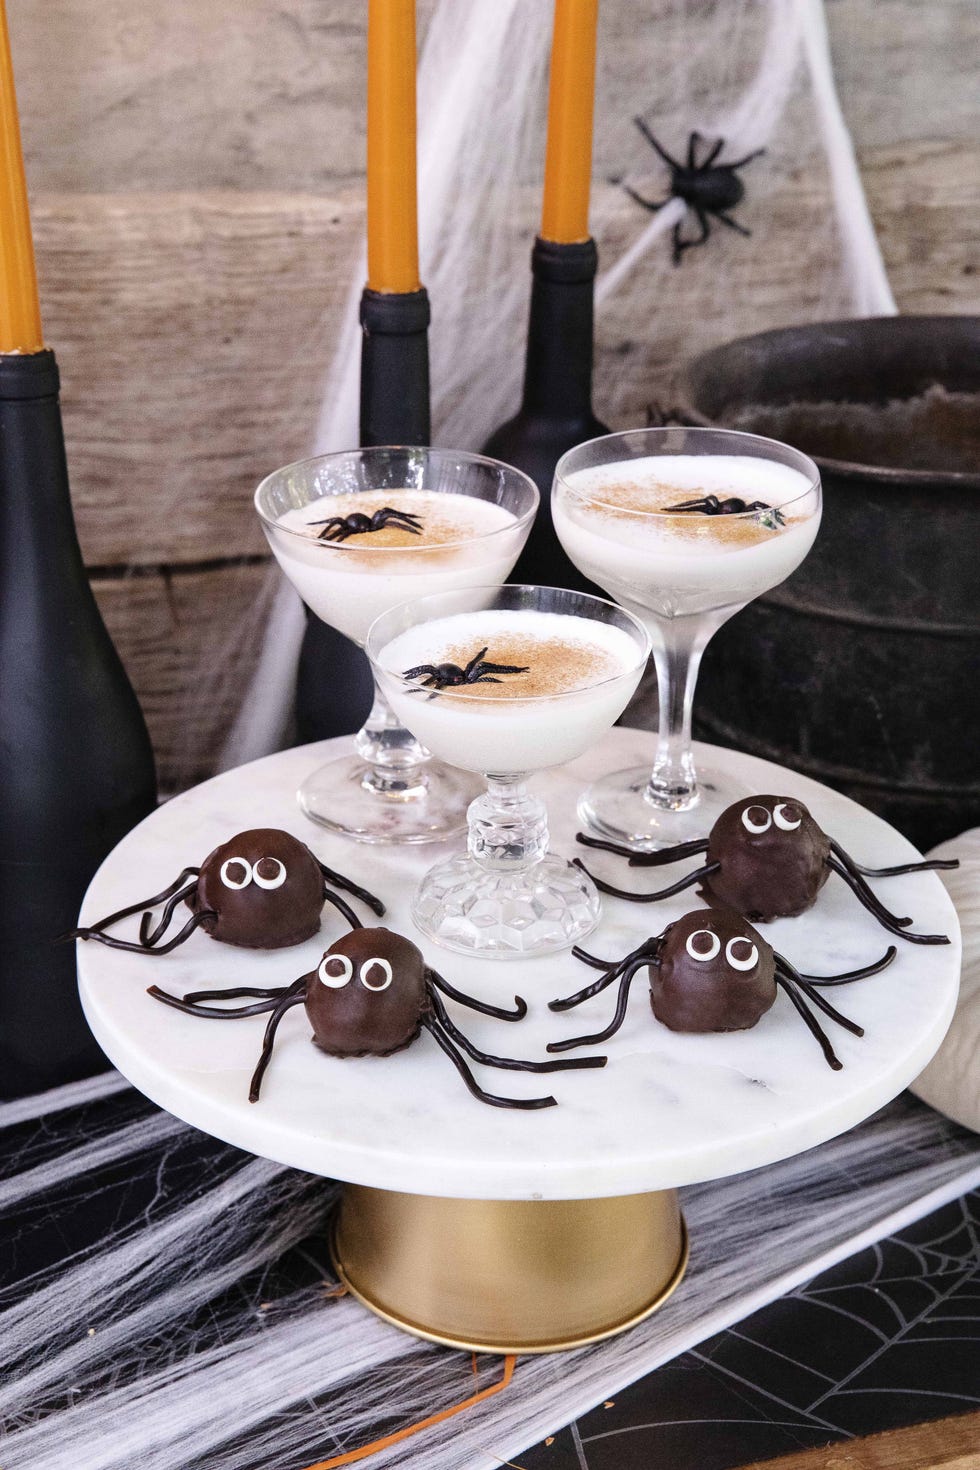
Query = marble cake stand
x=517 y=1231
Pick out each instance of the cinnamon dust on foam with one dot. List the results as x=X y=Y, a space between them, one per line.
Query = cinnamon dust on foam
x=554 y=666
x=623 y=499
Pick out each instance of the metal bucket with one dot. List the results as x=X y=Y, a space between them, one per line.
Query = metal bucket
x=863 y=670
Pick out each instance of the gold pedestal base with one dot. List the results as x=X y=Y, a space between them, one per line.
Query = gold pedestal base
x=506 y=1276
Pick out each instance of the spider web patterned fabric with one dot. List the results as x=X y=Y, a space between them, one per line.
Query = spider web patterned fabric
x=754 y=72
x=192 y=1325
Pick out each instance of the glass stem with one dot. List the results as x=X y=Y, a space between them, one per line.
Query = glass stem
x=678 y=644
x=396 y=760
x=508 y=826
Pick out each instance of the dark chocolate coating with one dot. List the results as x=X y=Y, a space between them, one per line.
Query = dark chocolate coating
x=771 y=874
x=690 y=994
x=256 y=917
x=355 y=1021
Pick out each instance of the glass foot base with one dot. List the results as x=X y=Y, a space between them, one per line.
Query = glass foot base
x=538 y=910
x=617 y=807
x=428 y=806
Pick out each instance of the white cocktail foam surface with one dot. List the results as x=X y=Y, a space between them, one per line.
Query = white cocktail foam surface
x=348 y=585
x=503 y=735
x=687 y=563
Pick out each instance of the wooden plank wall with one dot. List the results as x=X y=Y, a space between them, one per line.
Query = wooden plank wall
x=197 y=195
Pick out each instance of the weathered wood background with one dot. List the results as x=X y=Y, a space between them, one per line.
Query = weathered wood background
x=196 y=177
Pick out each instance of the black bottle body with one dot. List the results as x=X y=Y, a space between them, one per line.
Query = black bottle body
x=334 y=688
x=556 y=409
x=76 y=765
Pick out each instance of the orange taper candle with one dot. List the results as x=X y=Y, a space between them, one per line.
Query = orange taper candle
x=568 y=163
x=20 y=312
x=392 y=223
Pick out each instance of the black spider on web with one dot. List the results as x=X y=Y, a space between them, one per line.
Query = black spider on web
x=710 y=188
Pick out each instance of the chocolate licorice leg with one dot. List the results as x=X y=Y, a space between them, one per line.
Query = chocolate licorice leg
x=927 y=865
x=508 y=1064
x=569 y=1002
x=885 y=918
x=293 y=996
x=149 y=936
x=813 y=1025
x=339 y=881
x=614 y=1024
x=646 y=859
x=820 y=1001
x=849 y=975
x=344 y=908
x=526 y=1103
x=190 y=1003
x=613 y=970
x=484 y=1007
x=678 y=887
x=193 y=923
x=92 y=931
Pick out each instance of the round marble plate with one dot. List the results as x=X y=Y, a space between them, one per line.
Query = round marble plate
x=667 y=1110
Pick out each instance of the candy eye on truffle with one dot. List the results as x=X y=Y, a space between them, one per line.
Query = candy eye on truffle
x=787 y=816
x=335 y=971
x=757 y=819
x=269 y=872
x=741 y=954
x=226 y=873
x=703 y=945
x=376 y=974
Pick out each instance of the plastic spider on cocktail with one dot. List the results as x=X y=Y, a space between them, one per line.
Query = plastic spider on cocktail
x=372 y=994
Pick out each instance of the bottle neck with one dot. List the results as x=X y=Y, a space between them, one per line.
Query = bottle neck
x=558 y=368
x=37 y=527
x=395 y=367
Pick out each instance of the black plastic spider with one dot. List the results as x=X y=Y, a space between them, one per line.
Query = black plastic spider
x=262 y=889
x=711 y=971
x=710 y=505
x=370 y=995
x=768 y=859
x=338 y=528
x=449 y=676
x=709 y=188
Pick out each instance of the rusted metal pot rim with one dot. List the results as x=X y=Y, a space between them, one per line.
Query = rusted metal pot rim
x=909 y=353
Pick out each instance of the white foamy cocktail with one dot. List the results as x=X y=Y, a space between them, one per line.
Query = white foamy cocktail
x=683 y=527
x=508 y=681
x=577 y=676
x=462 y=540
x=615 y=524
x=356 y=533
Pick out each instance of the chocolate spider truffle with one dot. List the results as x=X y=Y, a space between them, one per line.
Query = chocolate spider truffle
x=715 y=973
x=767 y=858
x=367 y=995
x=263 y=889
x=771 y=856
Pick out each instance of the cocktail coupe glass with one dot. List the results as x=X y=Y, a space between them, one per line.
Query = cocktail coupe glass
x=508 y=896
x=684 y=574
x=475 y=514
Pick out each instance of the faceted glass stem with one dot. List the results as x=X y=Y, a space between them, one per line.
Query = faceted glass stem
x=508 y=828
x=678 y=644
x=395 y=759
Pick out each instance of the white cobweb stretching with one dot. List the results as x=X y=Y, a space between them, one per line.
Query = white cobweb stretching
x=754 y=72
x=197 y=1332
